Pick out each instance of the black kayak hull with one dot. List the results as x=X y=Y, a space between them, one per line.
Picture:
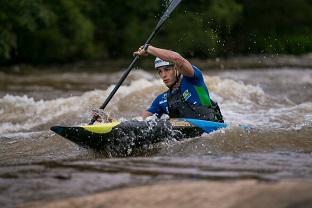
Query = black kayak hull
x=136 y=133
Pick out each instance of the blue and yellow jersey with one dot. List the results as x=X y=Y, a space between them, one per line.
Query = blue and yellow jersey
x=194 y=90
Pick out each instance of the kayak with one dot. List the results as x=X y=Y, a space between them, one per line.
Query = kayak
x=135 y=133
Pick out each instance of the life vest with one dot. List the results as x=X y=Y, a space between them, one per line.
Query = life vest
x=179 y=108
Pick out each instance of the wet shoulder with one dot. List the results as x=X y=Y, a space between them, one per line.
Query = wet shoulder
x=197 y=73
x=197 y=78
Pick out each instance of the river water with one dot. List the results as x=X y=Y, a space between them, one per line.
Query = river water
x=36 y=164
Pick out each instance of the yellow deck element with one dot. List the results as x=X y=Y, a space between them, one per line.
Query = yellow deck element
x=101 y=128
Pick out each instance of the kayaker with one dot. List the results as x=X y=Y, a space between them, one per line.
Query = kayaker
x=187 y=96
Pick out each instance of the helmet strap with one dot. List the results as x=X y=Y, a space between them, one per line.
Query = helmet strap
x=177 y=78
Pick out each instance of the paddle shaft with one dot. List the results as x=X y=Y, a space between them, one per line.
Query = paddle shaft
x=125 y=74
x=173 y=4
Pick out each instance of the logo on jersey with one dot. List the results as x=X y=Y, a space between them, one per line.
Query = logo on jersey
x=186 y=94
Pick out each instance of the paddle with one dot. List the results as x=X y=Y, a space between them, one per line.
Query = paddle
x=173 y=4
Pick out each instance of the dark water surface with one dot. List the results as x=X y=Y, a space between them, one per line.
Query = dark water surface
x=36 y=164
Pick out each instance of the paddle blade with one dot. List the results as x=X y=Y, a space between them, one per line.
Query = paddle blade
x=173 y=4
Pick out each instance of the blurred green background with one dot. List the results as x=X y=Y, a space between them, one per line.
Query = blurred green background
x=65 y=31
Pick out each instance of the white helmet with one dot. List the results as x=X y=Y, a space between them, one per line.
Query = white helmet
x=159 y=63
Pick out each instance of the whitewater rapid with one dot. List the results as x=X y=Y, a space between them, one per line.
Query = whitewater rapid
x=241 y=103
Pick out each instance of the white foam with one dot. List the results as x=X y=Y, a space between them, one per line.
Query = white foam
x=22 y=113
x=249 y=104
x=233 y=91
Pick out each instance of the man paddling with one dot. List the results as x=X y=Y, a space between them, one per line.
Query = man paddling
x=187 y=96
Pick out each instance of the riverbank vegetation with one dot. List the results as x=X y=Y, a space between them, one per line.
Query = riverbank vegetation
x=48 y=32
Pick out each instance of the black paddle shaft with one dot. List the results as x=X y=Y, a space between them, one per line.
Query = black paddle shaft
x=173 y=4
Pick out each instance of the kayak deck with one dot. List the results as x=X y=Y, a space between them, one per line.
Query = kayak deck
x=134 y=133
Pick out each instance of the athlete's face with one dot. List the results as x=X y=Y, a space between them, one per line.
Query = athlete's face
x=167 y=74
